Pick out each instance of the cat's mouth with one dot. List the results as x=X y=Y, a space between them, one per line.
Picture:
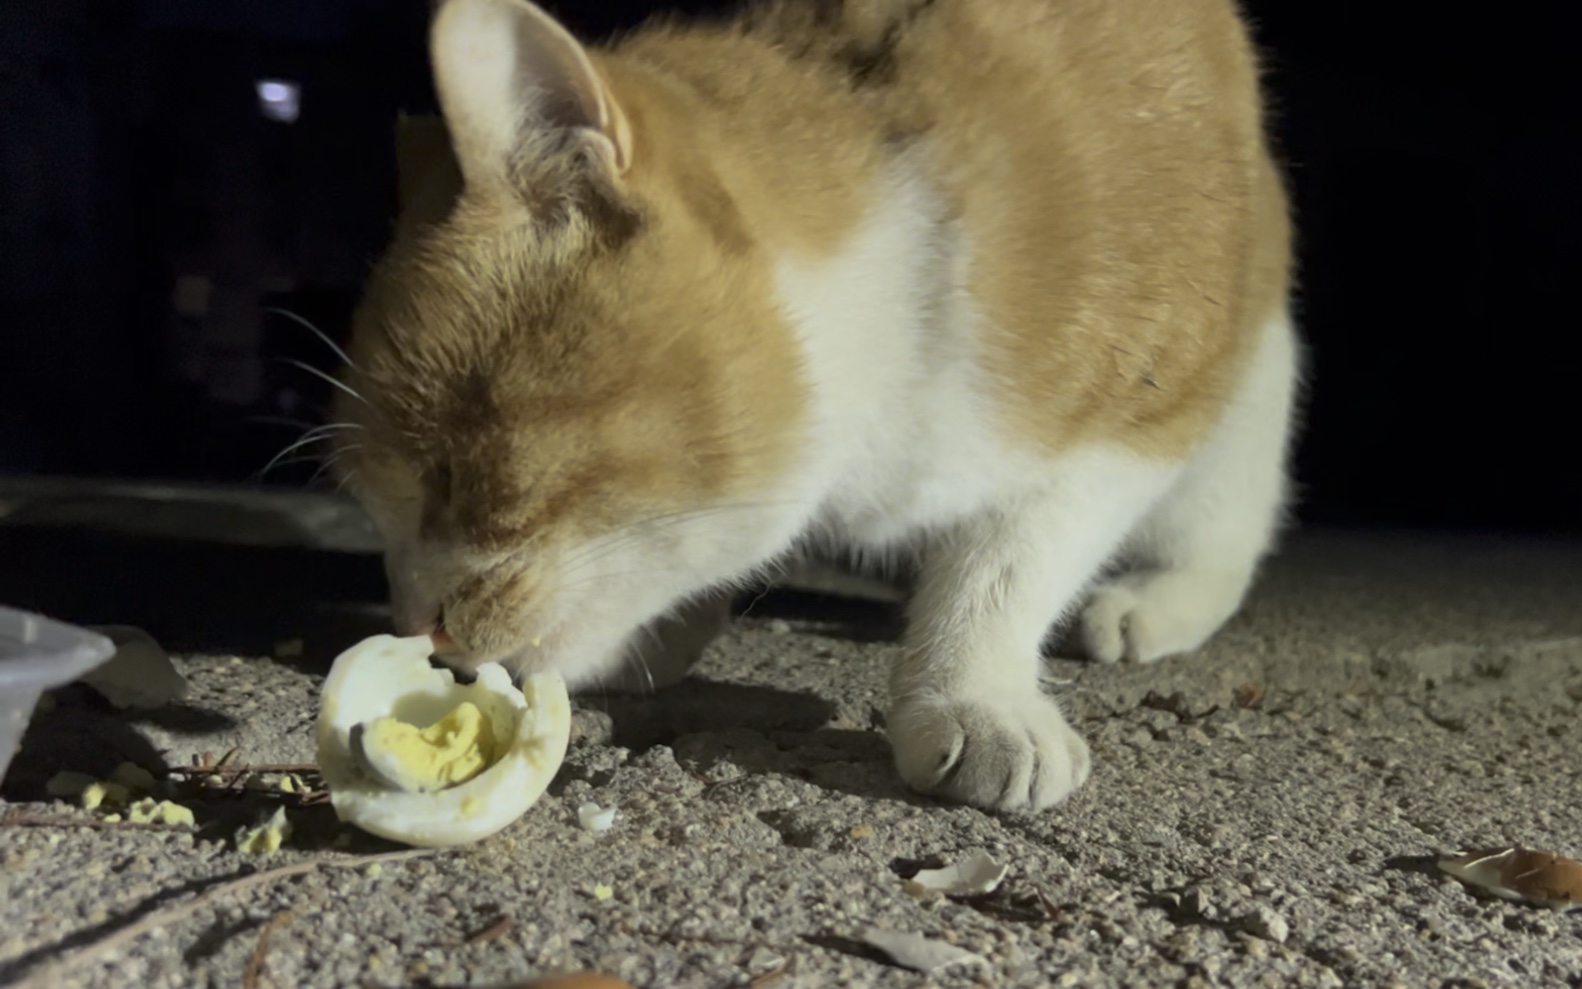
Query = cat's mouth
x=529 y=655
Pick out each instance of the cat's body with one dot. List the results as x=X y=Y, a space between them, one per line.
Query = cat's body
x=1000 y=281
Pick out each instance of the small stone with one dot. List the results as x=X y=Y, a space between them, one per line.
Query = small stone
x=140 y=675
x=764 y=960
x=602 y=892
x=861 y=831
x=1266 y=923
x=1198 y=902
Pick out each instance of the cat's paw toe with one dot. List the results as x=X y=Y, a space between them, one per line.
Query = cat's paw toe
x=1146 y=618
x=1011 y=754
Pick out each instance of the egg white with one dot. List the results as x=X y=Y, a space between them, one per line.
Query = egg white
x=389 y=676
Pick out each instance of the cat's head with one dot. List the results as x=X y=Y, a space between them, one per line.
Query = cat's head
x=577 y=397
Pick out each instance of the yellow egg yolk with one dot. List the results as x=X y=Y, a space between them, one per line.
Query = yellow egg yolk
x=452 y=750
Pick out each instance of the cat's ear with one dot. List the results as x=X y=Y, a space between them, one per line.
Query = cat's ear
x=505 y=71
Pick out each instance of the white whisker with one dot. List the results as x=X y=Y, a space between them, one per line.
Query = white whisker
x=338 y=383
x=316 y=332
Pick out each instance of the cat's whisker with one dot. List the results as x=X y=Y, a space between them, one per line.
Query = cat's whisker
x=325 y=466
x=308 y=325
x=338 y=383
x=311 y=437
x=286 y=462
x=346 y=478
x=642 y=660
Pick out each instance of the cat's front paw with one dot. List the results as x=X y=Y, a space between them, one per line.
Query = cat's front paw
x=1143 y=618
x=1006 y=754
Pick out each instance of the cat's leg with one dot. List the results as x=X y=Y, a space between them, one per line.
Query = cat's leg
x=1193 y=558
x=969 y=719
x=663 y=652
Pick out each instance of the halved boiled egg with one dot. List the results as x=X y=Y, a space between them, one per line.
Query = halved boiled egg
x=411 y=755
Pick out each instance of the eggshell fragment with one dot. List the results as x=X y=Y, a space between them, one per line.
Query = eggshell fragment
x=919 y=953
x=977 y=874
x=388 y=677
x=592 y=817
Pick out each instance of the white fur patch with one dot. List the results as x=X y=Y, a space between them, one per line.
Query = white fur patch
x=903 y=435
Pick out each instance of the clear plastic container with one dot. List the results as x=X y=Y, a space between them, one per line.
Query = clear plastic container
x=37 y=654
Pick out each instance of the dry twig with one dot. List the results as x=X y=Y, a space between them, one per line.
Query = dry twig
x=255 y=962
x=246 y=767
x=493 y=932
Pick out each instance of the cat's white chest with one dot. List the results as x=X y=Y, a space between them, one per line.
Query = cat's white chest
x=903 y=435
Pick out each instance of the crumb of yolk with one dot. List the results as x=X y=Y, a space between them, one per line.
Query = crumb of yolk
x=452 y=750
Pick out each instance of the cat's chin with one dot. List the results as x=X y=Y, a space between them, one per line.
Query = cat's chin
x=571 y=658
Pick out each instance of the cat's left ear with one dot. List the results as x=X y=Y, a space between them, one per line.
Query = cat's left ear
x=507 y=71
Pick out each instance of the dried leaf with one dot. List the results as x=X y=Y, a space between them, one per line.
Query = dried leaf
x=493 y=932
x=1524 y=874
x=919 y=953
x=977 y=874
x=1249 y=695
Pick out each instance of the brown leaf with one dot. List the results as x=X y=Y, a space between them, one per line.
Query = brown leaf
x=1249 y=695
x=493 y=932
x=1526 y=874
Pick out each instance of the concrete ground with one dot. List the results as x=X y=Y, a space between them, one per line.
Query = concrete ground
x=1262 y=814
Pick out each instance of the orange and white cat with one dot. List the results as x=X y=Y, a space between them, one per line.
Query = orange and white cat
x=1003 y=283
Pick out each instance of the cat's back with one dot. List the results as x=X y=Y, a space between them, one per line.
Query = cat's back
x=1128 y=226
x=1106 y=163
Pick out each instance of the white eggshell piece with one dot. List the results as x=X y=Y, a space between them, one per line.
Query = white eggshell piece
x=976 y=874
x=389 y=676
x=592 y=817
x=919 y=953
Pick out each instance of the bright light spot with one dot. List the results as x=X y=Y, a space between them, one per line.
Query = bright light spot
x=279 y=100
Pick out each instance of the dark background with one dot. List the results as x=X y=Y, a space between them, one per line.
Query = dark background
x=150 y=214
